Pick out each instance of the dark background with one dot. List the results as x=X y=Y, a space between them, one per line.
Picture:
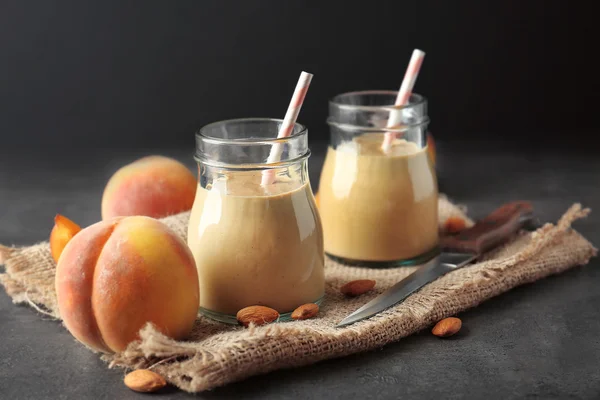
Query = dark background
x=139 y=74
x=88 y=86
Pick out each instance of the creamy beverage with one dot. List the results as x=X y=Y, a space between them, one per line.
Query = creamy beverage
x=256 y=245
x=378 y=206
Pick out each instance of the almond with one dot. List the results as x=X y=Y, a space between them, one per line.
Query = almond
x=447 y=327
x=258 y=315
x=305 y=311
x=358 y=287
x=144 y=380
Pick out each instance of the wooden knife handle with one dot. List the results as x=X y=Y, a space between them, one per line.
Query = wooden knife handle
x=491 y=231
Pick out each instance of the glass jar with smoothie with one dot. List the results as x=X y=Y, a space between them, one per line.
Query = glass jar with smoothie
x=255 y=243
x=378 y=204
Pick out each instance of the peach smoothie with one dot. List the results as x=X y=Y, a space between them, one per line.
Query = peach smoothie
x=378 y=206
x=256 y=245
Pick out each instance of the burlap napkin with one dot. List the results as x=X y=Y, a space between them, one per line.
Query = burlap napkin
x=218 y=354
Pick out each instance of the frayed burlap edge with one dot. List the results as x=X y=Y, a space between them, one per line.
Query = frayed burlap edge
x=27 y=283
x=219 y=355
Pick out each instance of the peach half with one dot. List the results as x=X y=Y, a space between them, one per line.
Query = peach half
x=63 y=231
x=431 y=150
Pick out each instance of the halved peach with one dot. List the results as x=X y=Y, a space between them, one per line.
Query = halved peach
x=63 y=231
x=431 y=147
x=454 y=225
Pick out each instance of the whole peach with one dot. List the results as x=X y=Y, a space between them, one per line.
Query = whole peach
x=154 y=186
x=115 y=276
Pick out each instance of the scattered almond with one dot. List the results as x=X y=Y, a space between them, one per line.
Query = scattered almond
x=144 y=380
x=259 y=315
x=454 y=225
x=358 y=287
x=305 y=311
x=447 y=327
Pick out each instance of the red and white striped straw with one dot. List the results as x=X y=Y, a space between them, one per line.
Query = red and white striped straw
x=287 y=127
x=408 y=83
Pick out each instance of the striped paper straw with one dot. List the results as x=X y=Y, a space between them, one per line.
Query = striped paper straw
x=289 y=121
x=408 y=83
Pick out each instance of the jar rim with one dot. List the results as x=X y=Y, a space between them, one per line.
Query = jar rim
x=335 y=101
x=201 y=133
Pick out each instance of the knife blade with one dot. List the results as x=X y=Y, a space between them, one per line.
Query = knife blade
x=457 y=251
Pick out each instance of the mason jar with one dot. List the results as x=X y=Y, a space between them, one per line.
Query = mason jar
x=256 y=241
x=378 y=204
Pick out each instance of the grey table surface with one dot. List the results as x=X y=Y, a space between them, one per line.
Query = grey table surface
x=538 y=340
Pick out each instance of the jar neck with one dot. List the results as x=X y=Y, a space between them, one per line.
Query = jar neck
x=340 y=134
x=248 y=181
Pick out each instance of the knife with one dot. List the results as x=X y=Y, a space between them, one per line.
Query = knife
x=457 y=251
